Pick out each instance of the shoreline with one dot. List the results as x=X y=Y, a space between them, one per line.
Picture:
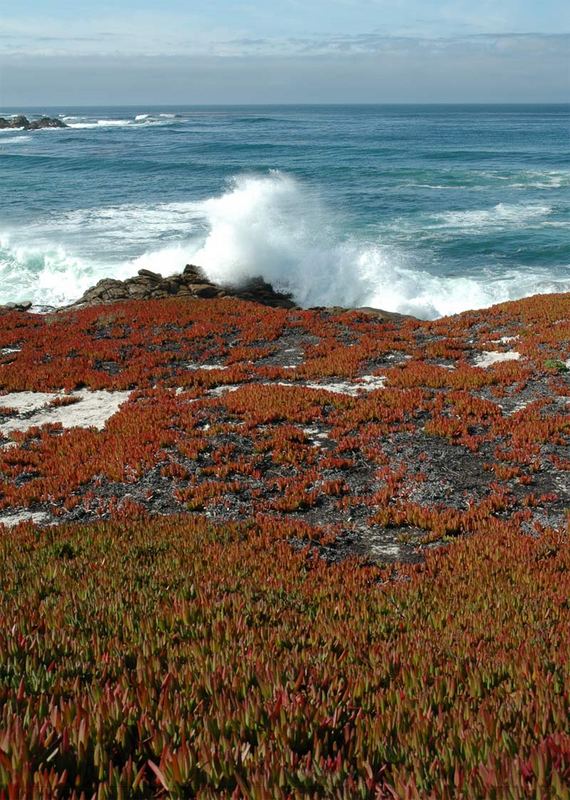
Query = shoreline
x=192 y=282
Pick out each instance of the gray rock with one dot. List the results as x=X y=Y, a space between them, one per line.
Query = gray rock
x=192 y=282
x=46 y=122
x=20 y=121
x=147 y=273
x=204 y=290
x=24 y=305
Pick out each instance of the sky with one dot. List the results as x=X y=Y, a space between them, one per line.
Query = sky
x=74 y=52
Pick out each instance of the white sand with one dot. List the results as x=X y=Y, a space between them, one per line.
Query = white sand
x=490 y=357
x=368 y=383
x=505 y=339
x=11 y=520
x=205 y=367
x=218 y=391
x=314 y=435
x=93 y=409
x=386 y=549
x=25 y=402
x=373 y=382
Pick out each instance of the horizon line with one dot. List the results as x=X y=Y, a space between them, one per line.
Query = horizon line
x=299 y=104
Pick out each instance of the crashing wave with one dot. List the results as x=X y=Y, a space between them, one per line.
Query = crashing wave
x=271 y=226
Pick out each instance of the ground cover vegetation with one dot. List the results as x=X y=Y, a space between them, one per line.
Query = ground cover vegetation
x=312 y=554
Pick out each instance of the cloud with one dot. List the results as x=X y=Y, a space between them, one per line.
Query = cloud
x=376 y=43
x=146 y=56
x=226 y=27
x=459 y=70
x=144 y=34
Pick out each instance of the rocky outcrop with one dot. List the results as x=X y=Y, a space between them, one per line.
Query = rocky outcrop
x=148 y=285
x=191 y=283
x=23 y=305
x=375 y=313
x=21 y=122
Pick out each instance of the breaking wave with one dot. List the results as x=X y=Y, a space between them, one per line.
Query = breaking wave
x=275 y=227
x=270 y=225
x=139 y=120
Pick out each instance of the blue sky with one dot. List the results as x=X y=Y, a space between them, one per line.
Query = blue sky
x=288 y=51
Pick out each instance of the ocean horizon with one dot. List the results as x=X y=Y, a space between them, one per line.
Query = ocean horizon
x=416 y=208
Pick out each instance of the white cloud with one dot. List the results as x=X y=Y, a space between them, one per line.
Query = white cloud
x=471 y=69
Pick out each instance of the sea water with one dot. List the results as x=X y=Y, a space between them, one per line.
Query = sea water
x=427 y=210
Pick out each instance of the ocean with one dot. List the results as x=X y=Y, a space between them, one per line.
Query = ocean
x=425 y=210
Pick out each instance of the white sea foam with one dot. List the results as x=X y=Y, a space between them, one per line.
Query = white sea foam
x=48 y=274
x=270 y=225
x=548 y=179
x=137 y=120
x=85 y=122
x=274 y=227
x=101 y=123
x=499 y=216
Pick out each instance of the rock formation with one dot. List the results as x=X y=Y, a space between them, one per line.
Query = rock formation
x=21 y=122
x=191 y=283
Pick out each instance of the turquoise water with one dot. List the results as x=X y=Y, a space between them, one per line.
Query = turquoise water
x=421 y=209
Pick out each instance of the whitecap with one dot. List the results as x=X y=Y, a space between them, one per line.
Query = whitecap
x=15 y=140
x=101 y=123
x=500 y=216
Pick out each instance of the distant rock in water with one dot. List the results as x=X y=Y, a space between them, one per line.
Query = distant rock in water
x=191 y=283
x=22 y=122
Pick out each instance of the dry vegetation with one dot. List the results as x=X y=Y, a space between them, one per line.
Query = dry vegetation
x=194 y=622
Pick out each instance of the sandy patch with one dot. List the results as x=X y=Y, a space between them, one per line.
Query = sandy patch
x=11 y=520
x=93 y=409
x=26 y=402
x=368 y=383
x=505 y=339
x=205 y=367
x=218 y=391
x=489 y=358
